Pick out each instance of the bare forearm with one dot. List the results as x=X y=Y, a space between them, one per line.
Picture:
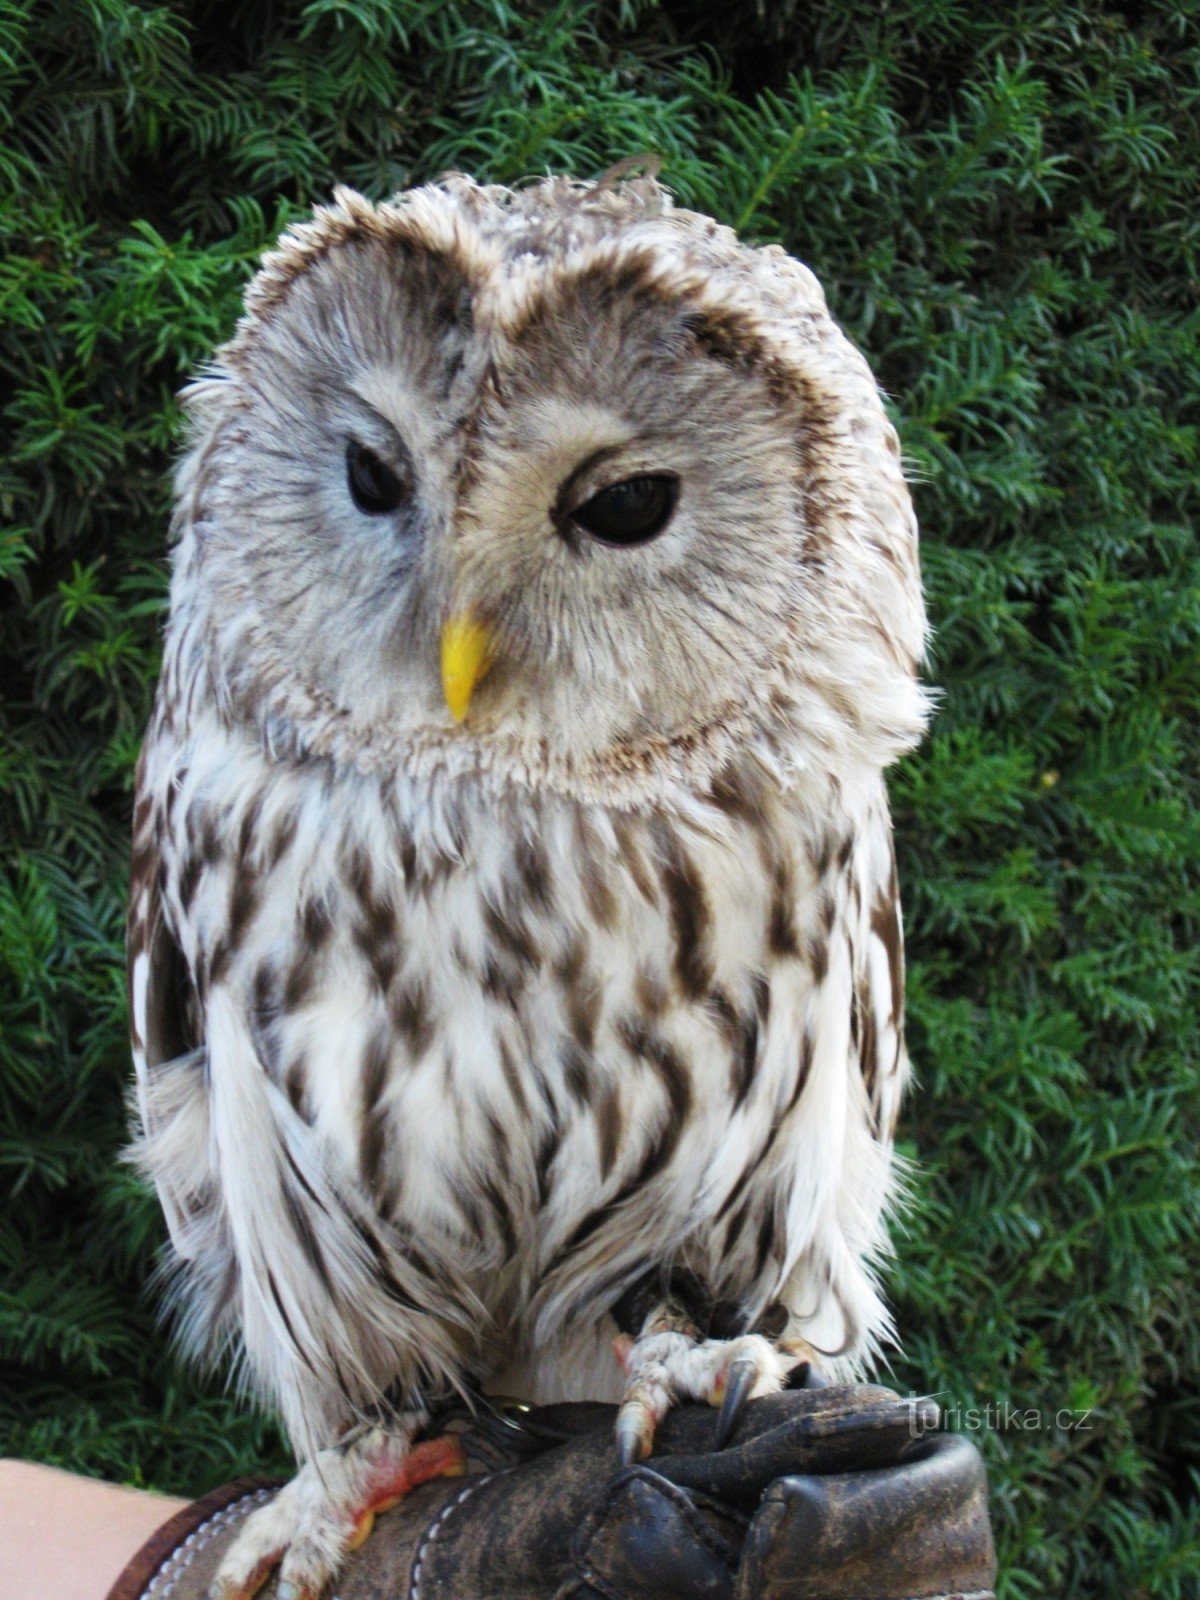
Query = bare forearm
x=64 y=1537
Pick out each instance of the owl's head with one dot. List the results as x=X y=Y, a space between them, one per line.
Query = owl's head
x=563 y=485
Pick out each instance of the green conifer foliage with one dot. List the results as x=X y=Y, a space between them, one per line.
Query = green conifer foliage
x=1001 y=203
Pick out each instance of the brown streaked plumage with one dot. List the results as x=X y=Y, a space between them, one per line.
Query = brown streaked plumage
x=455 y=1023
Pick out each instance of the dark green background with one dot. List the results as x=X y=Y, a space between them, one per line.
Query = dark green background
x=1001 y=200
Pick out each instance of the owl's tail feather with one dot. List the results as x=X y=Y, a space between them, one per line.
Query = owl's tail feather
x=327 y=1309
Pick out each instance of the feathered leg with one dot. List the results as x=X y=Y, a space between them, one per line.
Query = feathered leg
x=328 y=1510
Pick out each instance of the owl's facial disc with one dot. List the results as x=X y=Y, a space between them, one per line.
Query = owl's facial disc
x=575 y=532
x=560 y=484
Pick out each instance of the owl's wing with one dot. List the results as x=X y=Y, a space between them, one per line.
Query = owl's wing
x=834 y=1182
x=877 y=951
x=165 y=1036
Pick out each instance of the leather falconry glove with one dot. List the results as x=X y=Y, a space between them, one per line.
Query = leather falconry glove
x=844 y=1492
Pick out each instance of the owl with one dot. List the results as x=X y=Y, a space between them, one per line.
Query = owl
x=514 y=929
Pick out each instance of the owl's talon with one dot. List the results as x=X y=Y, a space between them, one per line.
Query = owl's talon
x=670 y=1362
x=635 y=1434
x=739 y=1383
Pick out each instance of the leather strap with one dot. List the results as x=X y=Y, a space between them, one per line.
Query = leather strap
x=157 y=1568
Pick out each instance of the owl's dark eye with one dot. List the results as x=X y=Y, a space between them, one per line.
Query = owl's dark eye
x=632 y=512
x=374 y=487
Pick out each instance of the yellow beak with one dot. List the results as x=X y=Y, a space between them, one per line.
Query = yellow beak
x=466 y=656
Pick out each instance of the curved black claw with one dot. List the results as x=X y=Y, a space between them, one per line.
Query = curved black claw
x=633 y=1439
x=739 y=1381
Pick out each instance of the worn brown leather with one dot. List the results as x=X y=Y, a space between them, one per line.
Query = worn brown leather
x=918 y=1528
x=837 y=1493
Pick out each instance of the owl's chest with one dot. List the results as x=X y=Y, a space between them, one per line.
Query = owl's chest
x=504 y=1018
